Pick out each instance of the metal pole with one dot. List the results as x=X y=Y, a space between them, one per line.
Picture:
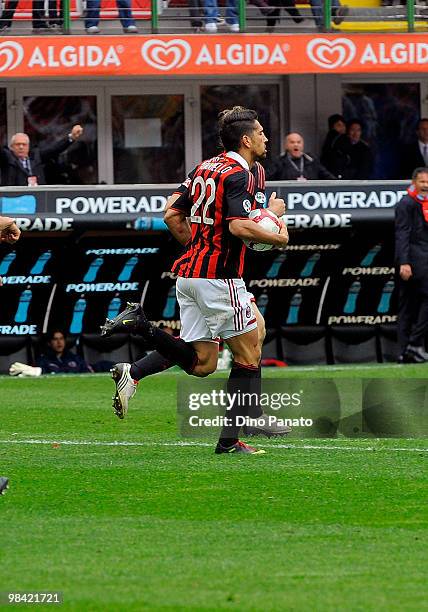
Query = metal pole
x=411 y=15
x=66 y=17
x=155 y=16
x=242 y=15
x=327 y=14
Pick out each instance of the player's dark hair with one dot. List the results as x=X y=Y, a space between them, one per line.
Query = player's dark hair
x=333 y=119
x=421 y=120
x=233 y=124
x=51 y=333
x=418 y=171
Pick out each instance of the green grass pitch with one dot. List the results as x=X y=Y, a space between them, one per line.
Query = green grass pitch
x=333 y=524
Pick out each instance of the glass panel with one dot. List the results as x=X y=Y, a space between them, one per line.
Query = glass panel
x=148 y=138
x=389 y=113
x=262 y=98
x=50 y=118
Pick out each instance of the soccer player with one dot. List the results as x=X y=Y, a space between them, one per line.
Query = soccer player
x=217 y=197
x=9 y=231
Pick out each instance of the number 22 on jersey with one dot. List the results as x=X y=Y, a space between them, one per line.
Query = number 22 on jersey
x=207 y=186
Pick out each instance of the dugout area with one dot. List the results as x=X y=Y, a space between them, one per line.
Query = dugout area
x=330 y=300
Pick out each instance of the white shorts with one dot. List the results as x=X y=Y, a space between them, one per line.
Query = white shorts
x=211 y=309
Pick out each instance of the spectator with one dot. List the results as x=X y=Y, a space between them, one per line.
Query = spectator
x=296 y=165
x=272 y=11
x=56 y=13
x=338 y=13
x=411 y=254
x=20 y=166
x=212 y=16
x=92 y=19
x=196 y=12
x=416 y=154
x=335 y=150
x=57 y=359
x=361 y=158
x=39 y=22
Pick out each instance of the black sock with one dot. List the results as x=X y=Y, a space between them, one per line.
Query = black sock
x=174 y=349
x=255 y=410
x=152 y=363
x=241 y=380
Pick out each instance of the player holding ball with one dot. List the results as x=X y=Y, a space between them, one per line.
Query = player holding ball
x=210 y=214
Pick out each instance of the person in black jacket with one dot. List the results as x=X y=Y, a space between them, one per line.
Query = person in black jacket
x=21 y=166
x=361 y=158
x=335 y=150
x=296 y=165
x=415 y=155
x=411 y=254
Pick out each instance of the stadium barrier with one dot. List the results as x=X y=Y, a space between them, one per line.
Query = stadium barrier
x=86 y=250
x=179 y=16
x=322 y=204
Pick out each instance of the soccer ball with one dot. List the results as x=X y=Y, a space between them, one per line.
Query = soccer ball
x=268 y=221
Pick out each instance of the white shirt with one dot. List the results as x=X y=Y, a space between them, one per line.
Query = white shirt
x=234 y=155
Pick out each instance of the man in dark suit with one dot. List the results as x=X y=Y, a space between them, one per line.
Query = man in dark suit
x=416 y=154
x=411 y=254
x=335 y=150
x=296 y=165
x=20 y=166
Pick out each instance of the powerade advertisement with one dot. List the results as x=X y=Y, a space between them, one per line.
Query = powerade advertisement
x=315 y=205
x=324 y=277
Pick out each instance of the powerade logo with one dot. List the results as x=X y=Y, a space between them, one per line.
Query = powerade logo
x=313 y=200
x=111 y=205
x=18 y=330
x=18 y=205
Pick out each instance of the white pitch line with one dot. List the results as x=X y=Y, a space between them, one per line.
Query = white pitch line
x=183 y=443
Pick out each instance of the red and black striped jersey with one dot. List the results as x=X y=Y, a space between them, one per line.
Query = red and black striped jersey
x=215 y=192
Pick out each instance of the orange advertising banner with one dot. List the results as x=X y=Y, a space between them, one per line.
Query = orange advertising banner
x=201 y=55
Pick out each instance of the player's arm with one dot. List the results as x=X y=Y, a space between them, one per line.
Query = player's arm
x=246 y=229
x=177 y=211
x=239 y=203
x=177 y=223
x=9 y=231
x=276 y=205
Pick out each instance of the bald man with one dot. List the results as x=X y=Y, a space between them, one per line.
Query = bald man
x=22 y=166
x=296 y=165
